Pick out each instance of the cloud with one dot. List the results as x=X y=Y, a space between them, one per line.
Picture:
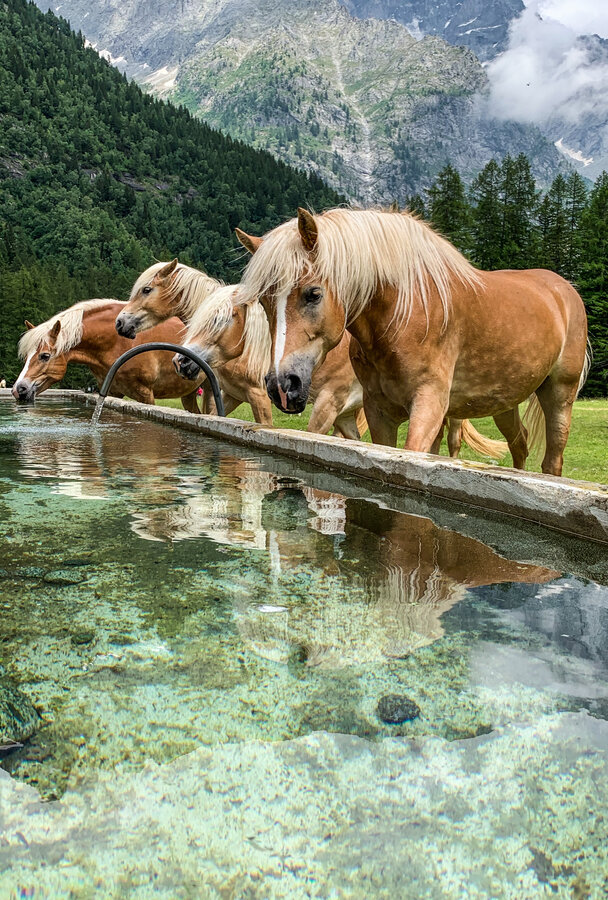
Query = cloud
x=580 y=16
x=549 y=72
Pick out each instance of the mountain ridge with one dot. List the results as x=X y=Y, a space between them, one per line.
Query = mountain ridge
x=360 y=102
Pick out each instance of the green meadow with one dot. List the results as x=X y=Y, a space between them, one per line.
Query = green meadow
x=586 y=456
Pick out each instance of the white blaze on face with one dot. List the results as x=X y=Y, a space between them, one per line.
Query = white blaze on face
x=281 y=332
x=26 y=366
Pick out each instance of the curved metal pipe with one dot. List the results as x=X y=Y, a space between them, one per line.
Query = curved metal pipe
x=174 y=348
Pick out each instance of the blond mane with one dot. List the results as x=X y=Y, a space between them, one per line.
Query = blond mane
x=188 y=286
x=214 y=315
x=71 y=328
x=357 y=252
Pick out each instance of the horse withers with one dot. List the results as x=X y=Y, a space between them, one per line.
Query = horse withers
x=85 y=334
x=435 y=336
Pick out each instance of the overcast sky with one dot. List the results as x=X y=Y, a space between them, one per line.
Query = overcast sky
x=544 y=72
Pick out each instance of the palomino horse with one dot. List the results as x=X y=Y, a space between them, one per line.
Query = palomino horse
x=458 y=429
x=435 y=337
x=85 y=334
x=167 y=289
x=222 y=330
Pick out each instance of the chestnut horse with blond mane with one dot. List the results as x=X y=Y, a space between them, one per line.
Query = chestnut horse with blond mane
x=167 y=289
x=85 y=334
x=435 y=336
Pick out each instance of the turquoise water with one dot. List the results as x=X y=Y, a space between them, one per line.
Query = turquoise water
x=170 y=600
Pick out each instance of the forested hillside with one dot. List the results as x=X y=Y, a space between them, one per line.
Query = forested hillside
x=98 y=178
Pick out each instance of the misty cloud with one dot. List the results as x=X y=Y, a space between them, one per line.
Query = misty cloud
x=549 y=73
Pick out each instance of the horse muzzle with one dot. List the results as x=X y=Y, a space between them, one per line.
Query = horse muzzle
x=128 y=325
x=289 y=392
x=24 y=392
x=186 y=367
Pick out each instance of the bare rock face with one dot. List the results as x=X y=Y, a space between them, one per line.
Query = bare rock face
x=371 y=107
x=481 y=26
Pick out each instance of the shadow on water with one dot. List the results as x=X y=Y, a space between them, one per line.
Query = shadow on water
x=163 y=591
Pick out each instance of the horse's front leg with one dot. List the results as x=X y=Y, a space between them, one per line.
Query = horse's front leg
x=323 y=415
x=427 y=413
x=382 y=429
x=261 y=406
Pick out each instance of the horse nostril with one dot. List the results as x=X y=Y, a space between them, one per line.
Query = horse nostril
x=294 y=385
x=267 y=378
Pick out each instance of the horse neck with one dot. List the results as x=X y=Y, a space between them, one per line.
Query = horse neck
x=377 y=330
x=180 y=307
x=100 y=343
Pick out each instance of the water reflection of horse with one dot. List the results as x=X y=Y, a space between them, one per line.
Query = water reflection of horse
x=357 y=582
x=85 y=334
x=382 y=588
x=167 y=289
x=435 y=337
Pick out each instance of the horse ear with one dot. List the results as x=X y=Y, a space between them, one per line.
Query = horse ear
x=29 y=325
x=55 y=330
x=248 y=241
x=167 y=270
x=308 y=229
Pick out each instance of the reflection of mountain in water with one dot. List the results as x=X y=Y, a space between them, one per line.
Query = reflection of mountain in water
x=570 y=613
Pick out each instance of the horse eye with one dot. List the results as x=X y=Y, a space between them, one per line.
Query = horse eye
x=146 y=290
x=312 y=294
x=44 y=357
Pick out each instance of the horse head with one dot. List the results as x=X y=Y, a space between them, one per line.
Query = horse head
x=151 y=301
x=216 y=332
x=43 y=367
x=305 y=317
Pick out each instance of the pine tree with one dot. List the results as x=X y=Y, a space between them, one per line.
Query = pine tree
x=448 y=208
x=486 y=217
x=593 y=281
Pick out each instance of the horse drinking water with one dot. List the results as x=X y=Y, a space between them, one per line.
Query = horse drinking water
x=435 y=336
x=85 y=334
x=167 y=289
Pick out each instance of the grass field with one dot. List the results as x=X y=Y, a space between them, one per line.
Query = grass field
x=586 y=454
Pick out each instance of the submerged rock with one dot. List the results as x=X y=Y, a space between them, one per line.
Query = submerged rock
x=18 y=718
x=397 y=708
x=29 y=572
x=64 y=576
x=80 y=638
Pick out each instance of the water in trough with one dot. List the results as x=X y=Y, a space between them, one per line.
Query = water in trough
x=272 y=682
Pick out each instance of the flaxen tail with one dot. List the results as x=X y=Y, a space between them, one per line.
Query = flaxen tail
x=362 y=425
x=480 y=444
x=534 y=417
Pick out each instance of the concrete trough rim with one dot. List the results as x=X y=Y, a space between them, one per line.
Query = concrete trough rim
x=576 y=508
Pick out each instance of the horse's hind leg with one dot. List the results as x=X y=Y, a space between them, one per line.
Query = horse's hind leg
x=436 y=446
x=190 y=402
x=556 y=398
x=512 y=428
x=454 y=437
x=346 y=426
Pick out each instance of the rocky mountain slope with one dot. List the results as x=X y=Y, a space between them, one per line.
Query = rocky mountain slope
x=480 y=25
x=363 y=103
